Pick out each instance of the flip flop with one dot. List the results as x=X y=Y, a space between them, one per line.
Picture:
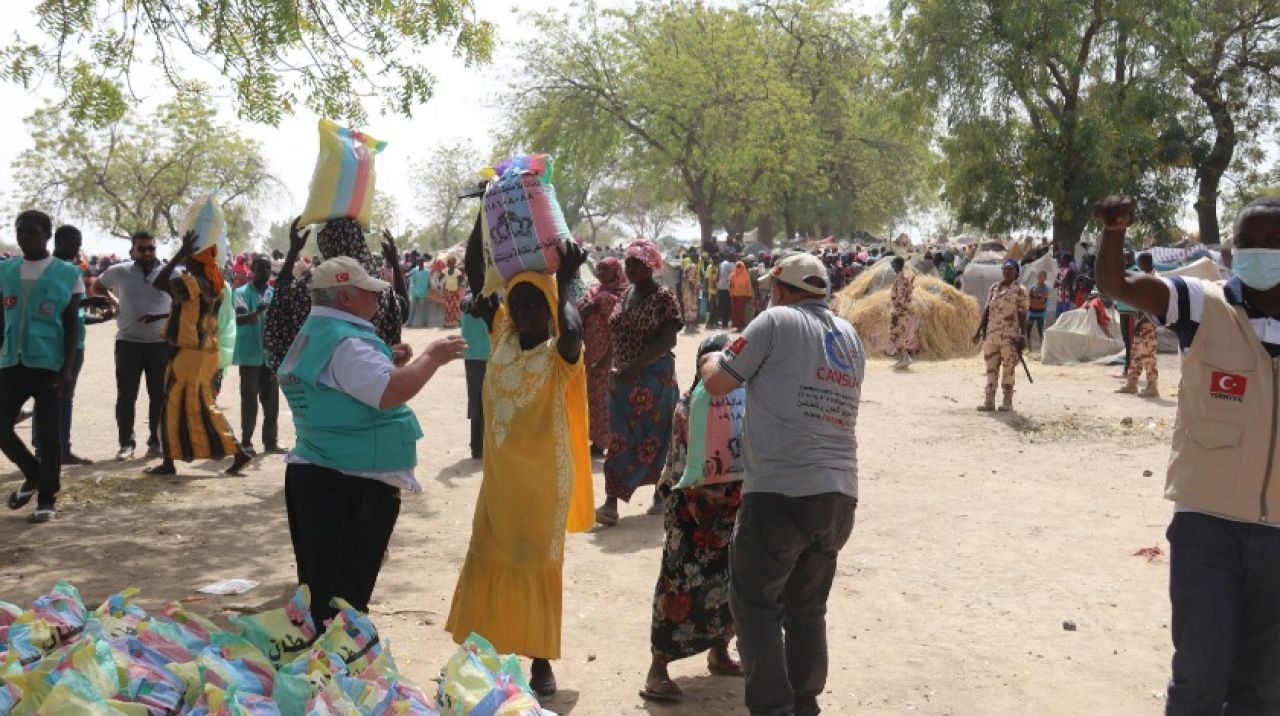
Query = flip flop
x=665 y=691
x=42 y=515
x=733 y=668
x=606 y=518
x=19 y=499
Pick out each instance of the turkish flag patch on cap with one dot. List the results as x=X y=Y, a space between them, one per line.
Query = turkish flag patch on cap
x=342 y=277
x=1227 y=385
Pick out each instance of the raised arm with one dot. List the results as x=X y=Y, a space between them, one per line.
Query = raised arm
x=1145 y=293
x=570 y=341
x=162 y=282
x=392 y=257
x=297 y=240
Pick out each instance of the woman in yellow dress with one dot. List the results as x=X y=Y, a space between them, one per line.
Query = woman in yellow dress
x=192 y=426
x=537 y=470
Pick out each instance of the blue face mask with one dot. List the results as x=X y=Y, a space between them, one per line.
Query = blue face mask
x=1259 y=269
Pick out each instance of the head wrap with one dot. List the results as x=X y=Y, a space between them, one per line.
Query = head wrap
x=646 y=252
x=208 y=260
x=1011 y=263
x=609 y=271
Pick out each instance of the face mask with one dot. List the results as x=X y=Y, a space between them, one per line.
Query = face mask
x=1259 y=269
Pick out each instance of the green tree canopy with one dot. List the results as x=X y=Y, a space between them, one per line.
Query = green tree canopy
x=1047 y=107
x=143 y=172
x=275 y=55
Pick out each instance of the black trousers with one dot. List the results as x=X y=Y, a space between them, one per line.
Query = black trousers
x=18 y=384
x=132 y=361
x=340 y=526
x=475 y=403
x=722 y=307
x=781 y=568
x=258 y=384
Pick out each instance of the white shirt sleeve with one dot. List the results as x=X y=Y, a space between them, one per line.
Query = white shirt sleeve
x=1195 y=300
x=359 y=370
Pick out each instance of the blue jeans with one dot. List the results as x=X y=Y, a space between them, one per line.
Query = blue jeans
x=66 y=397
x=1224 y=583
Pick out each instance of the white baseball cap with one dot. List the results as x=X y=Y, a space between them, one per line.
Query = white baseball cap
x=802 y=271
x=345 y=272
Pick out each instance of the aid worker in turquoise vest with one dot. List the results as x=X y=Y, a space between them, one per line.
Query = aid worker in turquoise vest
x=1224 y=470
x=41 y=328
x=356 y=439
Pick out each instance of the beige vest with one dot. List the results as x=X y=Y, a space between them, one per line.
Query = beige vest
x=1226 y=456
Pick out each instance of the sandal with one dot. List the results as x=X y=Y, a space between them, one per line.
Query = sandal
x=607 y=518
x=665 y=690
x=42 y=515
x=733 y=668
x=19 y=498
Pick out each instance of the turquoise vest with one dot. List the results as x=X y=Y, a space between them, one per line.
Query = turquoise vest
x=334 y=429
x=33 y=333
x=249 y=335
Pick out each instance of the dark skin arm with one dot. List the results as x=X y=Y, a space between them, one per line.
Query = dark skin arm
x=297 y=241
x=250 y=317
x=392 y=257
x=473 y=266
x=70 y=336
x=162 y=282
x=569 y=343
x=1142 y=291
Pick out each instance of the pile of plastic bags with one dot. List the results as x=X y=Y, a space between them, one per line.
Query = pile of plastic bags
x=60 y=658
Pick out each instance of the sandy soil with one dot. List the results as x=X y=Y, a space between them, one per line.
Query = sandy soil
x=977 y=537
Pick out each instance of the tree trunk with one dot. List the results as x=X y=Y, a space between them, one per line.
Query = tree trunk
x=1209 y=173
x=765 y=231
x=1067 y=229
x=706 y=223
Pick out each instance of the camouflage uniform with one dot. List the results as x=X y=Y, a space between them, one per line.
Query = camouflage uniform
x=1004 y=306
x=900 y=314
x=1143 y=357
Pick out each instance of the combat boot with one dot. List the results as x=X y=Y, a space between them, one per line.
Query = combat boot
x=989 y=404
x=1152 y=390
x=1007 y=404
x=1130 y=386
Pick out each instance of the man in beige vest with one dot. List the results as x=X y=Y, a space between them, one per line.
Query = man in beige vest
x=1224 y=473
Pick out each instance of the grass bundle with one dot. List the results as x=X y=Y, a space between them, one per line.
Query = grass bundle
x=947 y=318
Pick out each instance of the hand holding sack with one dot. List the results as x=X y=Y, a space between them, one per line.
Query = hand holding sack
x=523 y=226
x=715 y=438
x=343 y=182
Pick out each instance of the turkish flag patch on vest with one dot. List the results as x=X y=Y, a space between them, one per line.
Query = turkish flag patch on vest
x=1227 y=386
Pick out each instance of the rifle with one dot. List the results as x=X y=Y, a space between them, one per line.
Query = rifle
x=1022 y=359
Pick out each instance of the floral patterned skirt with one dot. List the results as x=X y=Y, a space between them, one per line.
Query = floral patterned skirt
x=640 y=428
x=691 y=601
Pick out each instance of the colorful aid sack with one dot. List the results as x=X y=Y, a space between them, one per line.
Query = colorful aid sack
x=343 y=182
x=226 y=327
x=284 y=635
x=523 y=223
x=206 y=218
x=478 y=682
x=715 y=438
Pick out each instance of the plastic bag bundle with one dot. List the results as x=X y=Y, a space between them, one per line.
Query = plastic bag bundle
x=715 y=438
x=59 y=658
x=206 y=218
x=344 y=178
x=522 y=219
x=476 y=681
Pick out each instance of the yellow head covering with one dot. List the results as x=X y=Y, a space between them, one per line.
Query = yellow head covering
x=582 y=500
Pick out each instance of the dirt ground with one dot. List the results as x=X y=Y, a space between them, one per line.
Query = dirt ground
x=978 y=538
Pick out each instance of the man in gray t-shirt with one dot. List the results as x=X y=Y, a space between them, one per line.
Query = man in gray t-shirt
x=803 y=368
x=140 y=344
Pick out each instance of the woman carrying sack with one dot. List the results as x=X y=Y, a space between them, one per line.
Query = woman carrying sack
x=537 y=467
x=691 y=600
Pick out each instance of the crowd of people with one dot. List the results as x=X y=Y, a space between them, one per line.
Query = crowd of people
x=558 y=374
